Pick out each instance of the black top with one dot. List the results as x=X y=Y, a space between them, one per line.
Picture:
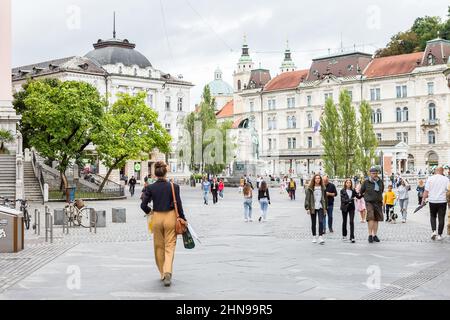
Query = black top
x=214 y=187
x=348 y=204
x=160 y=193
x=331 y=188
x=263 y=194
x=369 y=193
x=132 y=181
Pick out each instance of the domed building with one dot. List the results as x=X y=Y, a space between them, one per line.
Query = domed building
x=115 y=66
x=220 y=90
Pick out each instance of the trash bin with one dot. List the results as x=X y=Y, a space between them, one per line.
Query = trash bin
x=70 y=194
x=11 y=230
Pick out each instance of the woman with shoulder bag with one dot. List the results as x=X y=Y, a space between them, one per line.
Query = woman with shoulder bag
x=316 y=206
x=348 y=196
x=168 y=219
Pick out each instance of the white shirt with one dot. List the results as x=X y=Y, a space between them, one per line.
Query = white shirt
x=437 y=186
x=317 y=198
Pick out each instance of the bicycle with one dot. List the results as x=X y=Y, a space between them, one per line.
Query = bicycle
x=23 y=208
x=78 y=214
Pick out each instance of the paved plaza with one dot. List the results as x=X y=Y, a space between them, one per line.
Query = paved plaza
x=236 y=260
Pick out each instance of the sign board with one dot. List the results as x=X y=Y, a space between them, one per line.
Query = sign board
x=137 y=167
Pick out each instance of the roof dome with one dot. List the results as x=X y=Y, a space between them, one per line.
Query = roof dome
x=116 y=51
x=218 y=87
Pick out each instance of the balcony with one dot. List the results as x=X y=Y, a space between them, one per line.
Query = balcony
x=430 y=124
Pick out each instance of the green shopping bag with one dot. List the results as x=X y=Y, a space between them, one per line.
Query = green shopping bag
x=188 y=240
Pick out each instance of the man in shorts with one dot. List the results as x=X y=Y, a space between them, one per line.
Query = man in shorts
x=372 y=190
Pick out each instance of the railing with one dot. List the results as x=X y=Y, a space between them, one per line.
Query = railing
x=89 y=195
x=110 y=187
x=37 y=168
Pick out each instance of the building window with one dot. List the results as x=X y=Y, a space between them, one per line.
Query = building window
x=405 y=137
x=309 y=118
x=292 y=143
x=399 y=114
x=310 y=142
x=431 y=137
x=270 y=144
x=328 y=96
x=430 y=88
x=405 y=114
x=309 y=101
x=252 y=106
x=294 y=122
x=378 y=116
x=289 y=122
x=239 y=85
x=291 y=103
x=432 y=112
x=350 y=93
x=430 y=59
x=402 y=91
x=271 y=104
x=150 y=99
x=375 y=94
x=379 y=137
x=399 y=136
x=180 y=104
x=168 y=127
x=289 y=143
x=167 y=103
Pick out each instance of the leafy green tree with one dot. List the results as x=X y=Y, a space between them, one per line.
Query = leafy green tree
x=401 y=43
x=61 y=118
x=20 y=107
x=5 y=137
x=130 y=131
x=426 y=28
x=445 y=28
x=367 y=140
x=331 y=138
x=348 y=136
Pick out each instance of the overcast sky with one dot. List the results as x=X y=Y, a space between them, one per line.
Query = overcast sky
x=194 y=37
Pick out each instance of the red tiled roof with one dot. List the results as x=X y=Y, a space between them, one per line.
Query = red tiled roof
x=227 y=111
x=287 y=80
x=393 y=65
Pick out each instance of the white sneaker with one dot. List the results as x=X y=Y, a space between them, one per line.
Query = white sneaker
x=321 y=241
x=344 y=239
x=440 y=238
x=246 y=220
x=314 y=240
x=404 y=221
x=433 y=236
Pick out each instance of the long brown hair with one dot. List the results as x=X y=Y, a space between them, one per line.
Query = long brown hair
x=247 y=190
x=312 y=183
x=263 y=186
x=351 y=184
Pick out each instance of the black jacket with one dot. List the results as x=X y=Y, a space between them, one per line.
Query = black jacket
x=369 y=193
x=264 y=194
x=347 y=204
x=160 y=193
x=212 y=187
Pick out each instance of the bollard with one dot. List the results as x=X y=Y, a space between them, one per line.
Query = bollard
x=51 y=228
x=65 y=222
x=93 y=220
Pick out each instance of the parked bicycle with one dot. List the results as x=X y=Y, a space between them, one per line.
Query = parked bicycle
x=23 y=208
x=78 y=214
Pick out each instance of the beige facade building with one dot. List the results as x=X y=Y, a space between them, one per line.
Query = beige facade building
x=409 y=95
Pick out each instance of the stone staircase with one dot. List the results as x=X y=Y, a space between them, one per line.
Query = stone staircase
x=8 y=176
x=33 y=191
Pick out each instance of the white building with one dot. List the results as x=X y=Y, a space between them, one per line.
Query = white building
x=116 y=66
x=220 y=90
x=410 y=96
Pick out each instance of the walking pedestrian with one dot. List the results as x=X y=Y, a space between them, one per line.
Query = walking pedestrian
x=420 y=191
x=403 y=198
x=132 y=183
x=389 y=202
x=221 y=188
x=248 y=202
x=215 y=190
x=258 y=181
x=292 y=187
x=241 y=184
x=283 y=186
x=360 y=204
x=348 y=196
x=372 y=191
x=331 y=193
x=436 y=188
x=163 y=194
x=206 y=185
x=264 y=200
x=316 y=206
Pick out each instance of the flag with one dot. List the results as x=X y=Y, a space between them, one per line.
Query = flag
x=317 y=127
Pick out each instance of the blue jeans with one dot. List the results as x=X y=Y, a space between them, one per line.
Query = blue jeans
x=264 y=204
x=205 y=196
x=248 y=208
x=329 y=217
x=318 y=215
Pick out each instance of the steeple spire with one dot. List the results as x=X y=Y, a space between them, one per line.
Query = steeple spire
x=114 y=25
x=288 y=64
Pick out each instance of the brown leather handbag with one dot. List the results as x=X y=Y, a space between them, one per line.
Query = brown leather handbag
x=181 y=225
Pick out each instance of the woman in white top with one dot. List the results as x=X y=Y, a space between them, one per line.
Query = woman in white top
x=403 y=198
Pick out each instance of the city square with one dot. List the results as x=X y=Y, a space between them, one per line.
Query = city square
x=127 y=137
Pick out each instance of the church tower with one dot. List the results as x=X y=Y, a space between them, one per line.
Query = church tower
x=244 y=69
x=287 y=65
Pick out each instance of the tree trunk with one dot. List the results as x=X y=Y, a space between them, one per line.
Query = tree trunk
x=100 y=189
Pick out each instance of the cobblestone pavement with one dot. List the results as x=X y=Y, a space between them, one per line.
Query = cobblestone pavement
x=236 y=260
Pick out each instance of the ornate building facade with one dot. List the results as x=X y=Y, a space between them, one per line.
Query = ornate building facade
x=409 y=95
x=116 y=66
